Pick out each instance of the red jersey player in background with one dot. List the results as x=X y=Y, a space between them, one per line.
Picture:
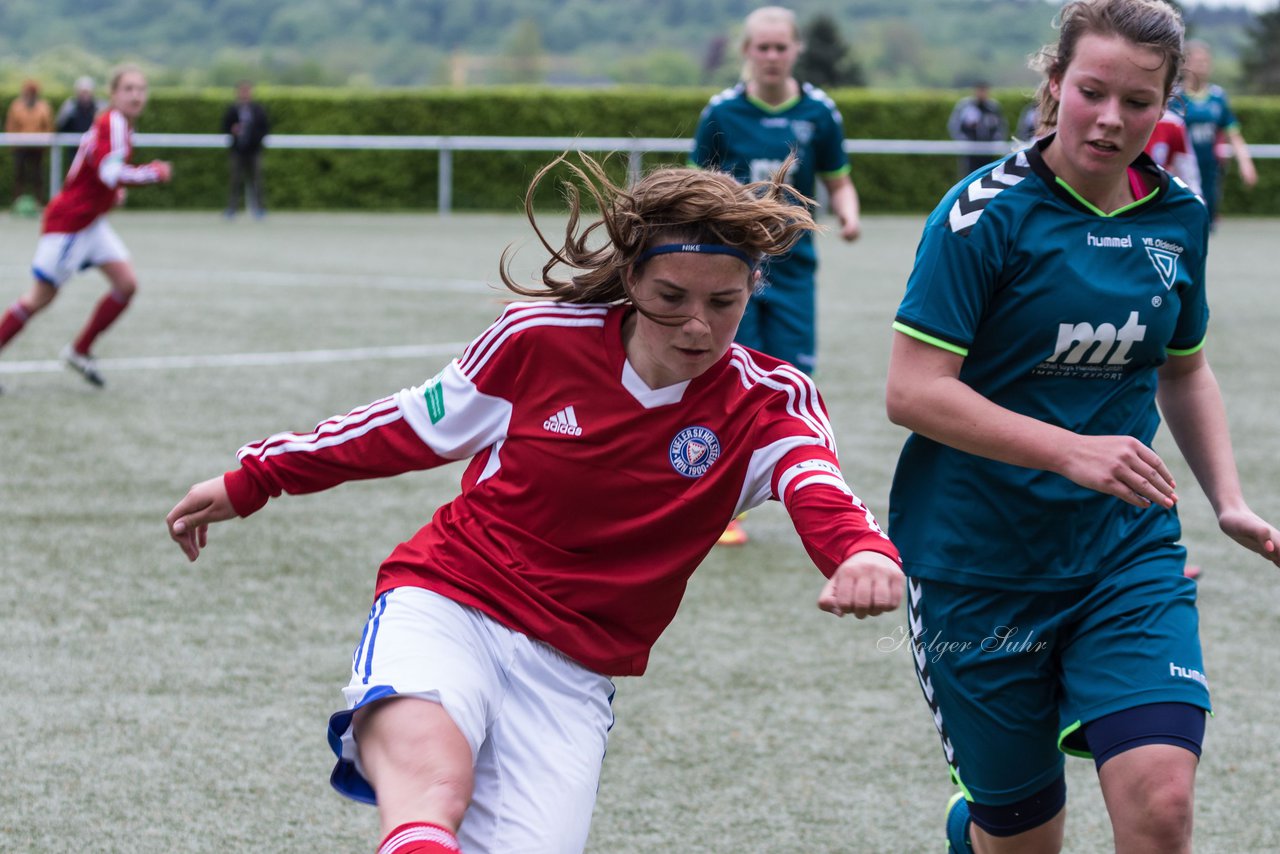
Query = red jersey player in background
x=1170 y=148
x=75 y=234
x=613 y=429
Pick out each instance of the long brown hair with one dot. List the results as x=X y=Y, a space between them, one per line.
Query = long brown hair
x=1151 y=24
x=670 y=205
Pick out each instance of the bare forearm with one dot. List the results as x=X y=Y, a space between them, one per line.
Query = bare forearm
x=950 y=412
x=1192 y=407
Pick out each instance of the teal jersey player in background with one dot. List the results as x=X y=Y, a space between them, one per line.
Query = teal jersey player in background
x=1057 y=297
x=1207 y=113
x=748 y=131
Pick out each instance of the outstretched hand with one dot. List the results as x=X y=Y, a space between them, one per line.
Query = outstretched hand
x=1251 y=531
x=865 y=585
x=189 y=520
x=1121 y=466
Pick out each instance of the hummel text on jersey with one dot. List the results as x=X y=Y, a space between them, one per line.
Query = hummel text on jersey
x=1188 y=673
x=1125 y=242
x=564 y=422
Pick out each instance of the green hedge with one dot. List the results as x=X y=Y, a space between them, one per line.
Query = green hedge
x=495 y=181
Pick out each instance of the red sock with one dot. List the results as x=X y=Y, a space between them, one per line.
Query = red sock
x=109 y=308
x=419 y=837
x=11 y=324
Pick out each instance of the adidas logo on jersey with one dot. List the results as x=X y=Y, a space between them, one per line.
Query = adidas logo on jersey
x=564 y=422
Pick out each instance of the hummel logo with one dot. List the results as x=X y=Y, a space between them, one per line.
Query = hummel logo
x=564 y=422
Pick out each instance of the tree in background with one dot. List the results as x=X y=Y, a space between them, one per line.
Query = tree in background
x=1260 y=59
x=524 y=59
x=827 y=59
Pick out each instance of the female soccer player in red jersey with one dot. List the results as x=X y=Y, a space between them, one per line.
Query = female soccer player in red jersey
x=613 y=429
x=75 y=233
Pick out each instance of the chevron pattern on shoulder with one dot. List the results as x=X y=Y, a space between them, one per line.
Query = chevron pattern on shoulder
x=975 y=198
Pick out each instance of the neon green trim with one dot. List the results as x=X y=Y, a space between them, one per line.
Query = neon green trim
x=1071 y=751
x=839 y=173
x=693 y=164
x=964 y=790
x=770 y=108
x=1091 y=206
x=1195 y=349
x=929 y=339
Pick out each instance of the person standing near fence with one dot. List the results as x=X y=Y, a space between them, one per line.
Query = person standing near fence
x=977 y=118
x=748 y=131
x=612 y=428
x=77 y=113
x=1056 y=310
x=246 y=125
x=75 y=233
x=28 y=113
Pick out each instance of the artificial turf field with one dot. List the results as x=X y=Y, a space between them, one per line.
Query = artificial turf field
x=154 y=705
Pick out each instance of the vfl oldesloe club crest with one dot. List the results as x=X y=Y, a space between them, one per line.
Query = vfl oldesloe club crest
x=693 y=450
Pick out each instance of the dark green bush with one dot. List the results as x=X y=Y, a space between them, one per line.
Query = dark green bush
x=495 y=181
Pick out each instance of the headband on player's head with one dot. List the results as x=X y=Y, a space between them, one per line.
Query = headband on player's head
x=698 y=248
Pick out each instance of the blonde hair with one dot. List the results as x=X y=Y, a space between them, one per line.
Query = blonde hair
x=1151 y=24
x=671 y=205
x=767 y=15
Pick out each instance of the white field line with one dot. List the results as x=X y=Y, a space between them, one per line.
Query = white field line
x=278 y=279
x=246 y=360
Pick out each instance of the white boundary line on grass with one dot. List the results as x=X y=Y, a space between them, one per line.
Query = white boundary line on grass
x=245 y=360
x=309 y=279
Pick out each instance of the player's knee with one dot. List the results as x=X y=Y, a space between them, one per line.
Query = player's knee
x=1024 y=815
x=1167 y=809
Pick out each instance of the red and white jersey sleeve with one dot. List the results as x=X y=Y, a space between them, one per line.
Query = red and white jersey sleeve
x=100 y=167
x=1170 y=147
x=800 y=468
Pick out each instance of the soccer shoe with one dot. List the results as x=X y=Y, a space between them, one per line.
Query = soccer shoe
x=85 y=366
x=734 y=535
x=958 y=825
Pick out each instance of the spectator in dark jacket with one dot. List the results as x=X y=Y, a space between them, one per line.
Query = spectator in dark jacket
x=245 y=122
x=77 y=112
x=977 y=118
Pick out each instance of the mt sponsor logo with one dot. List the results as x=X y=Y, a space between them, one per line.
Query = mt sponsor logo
x=1092 y=352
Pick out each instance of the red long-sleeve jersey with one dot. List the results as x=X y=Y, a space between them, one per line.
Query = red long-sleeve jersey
x=590 y=498
x=99 y=169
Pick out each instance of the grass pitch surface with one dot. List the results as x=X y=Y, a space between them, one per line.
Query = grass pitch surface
x=159 y=706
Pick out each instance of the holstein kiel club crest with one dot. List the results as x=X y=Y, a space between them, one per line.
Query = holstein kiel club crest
x=693 y=450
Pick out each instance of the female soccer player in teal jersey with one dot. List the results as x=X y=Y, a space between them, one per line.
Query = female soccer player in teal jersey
x=1057 y=298
x=748 y=130
x=1205 y=109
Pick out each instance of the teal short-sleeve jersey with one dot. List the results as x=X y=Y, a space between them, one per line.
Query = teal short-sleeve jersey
x=1205 y=115
x=1064 y=314
x=750 y=140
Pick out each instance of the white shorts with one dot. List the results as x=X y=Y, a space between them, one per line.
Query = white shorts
x=537 y=722
x=61 y=255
